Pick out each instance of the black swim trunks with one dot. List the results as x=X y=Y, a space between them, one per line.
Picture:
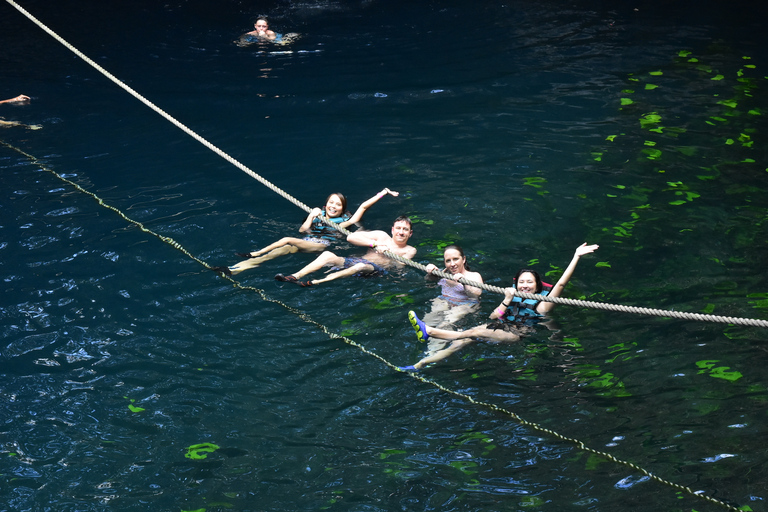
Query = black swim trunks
x=520 y=330
x=377 y=269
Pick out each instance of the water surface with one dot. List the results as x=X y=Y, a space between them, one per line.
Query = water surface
x=516 y=130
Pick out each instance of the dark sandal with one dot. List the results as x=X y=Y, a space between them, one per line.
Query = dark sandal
x=286 y=279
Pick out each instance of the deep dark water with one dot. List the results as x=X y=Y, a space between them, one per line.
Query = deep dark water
x=518 y=130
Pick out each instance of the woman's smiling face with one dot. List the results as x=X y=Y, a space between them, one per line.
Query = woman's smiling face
x=334 y=206
x=454 y=261
x=526 y=283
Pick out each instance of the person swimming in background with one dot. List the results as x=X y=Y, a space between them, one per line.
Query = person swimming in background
x=511 y=320
x=372 y=265
x=21 y=99
x=262 y=33
x=261 y=30
x=456 y=299
x=319 y=236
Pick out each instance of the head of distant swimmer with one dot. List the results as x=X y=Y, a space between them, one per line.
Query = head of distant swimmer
x=455 y=260
x=528 y=281
x=335 y=205
x=261 y=24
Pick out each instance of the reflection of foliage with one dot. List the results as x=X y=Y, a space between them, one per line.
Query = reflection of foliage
x=335 y=498
x=688 y=137
x=200 y=451
x=718 y=372
x=133 y=408
x=389 y=301
x=606 y=383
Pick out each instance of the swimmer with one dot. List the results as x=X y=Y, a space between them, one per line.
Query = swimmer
x=373 y=264
x=456 y=300
x=262 y=33
x=318 y=235
x=261 y=30
x=21 y=99
x=511 y=318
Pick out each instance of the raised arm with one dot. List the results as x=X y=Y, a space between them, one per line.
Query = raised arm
x=367 y=204
x=21 y=98
x=545 y=307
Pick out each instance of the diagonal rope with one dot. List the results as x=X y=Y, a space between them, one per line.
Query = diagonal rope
x=160 y=111
x=495 y=289
x=332 y=335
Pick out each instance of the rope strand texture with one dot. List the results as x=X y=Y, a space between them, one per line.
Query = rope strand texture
x=326 y=220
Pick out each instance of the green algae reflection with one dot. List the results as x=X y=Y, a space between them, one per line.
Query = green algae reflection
x=200 y=451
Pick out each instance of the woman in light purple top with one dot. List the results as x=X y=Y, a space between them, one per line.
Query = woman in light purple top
x=456 y=300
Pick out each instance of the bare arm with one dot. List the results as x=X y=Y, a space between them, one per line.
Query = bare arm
x=307 y=225
x=509 y=294
x=545 y=307
x=367 y=204
x=365 y=238
x=21 y=98
x=430 y=276
x=472 y=291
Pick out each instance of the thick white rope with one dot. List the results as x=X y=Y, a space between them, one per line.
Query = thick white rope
x=160 y=111
x=274 y=188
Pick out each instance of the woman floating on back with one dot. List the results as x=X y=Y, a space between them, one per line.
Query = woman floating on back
x=510 y=319
x=318 y=235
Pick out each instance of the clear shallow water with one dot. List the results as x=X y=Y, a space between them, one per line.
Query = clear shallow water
x=498 y=137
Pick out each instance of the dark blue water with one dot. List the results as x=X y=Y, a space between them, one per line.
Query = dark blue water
x=519 y=130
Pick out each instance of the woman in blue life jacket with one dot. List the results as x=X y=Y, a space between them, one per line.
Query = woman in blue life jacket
x=510 y=320
x=319 y=236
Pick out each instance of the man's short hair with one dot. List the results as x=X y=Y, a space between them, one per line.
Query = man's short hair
x=404 y=218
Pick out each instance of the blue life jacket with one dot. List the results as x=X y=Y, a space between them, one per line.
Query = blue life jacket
x=523 y=311
x=320 y=229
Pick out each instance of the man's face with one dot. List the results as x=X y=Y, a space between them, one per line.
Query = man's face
x=401 y=232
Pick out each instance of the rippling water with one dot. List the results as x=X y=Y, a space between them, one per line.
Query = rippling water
x=517 y=130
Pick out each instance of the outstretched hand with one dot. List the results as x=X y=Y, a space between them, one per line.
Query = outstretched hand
x=391 y=192
x=21 y=99
x=586 y=249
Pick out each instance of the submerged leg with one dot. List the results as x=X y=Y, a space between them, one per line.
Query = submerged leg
x=455 y=346
x=424 y=332
x=354 y=269
x=255 y=262
x=326 y=259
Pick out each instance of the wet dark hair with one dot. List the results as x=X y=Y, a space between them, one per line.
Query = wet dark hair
x=536 y=276
x=461 y=251
x=404 y=218
x=343 y=201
